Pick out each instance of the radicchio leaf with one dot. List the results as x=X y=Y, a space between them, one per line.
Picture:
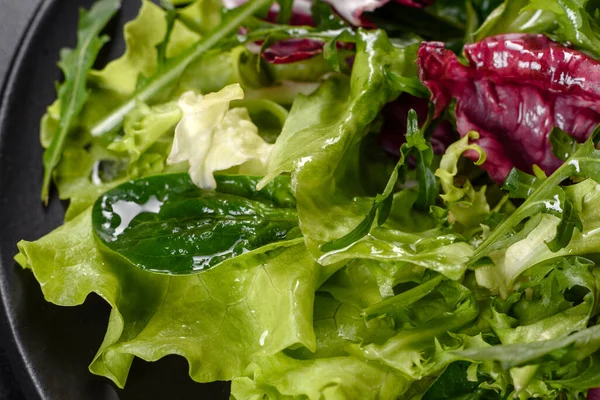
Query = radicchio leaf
x=352 y=10
x=515 y=89
x=288 y=50
x=292 y=50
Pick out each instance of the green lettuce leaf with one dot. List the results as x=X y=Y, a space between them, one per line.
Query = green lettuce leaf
x=281 y=377
x=551 y=300
x=321 y=139
x=423 y=323
x=143 y=127
x=570 y=21
x=88 y=170
x=218 y=320
x=511 y=17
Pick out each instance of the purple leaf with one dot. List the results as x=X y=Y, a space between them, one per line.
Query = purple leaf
x=593 y=394
x=352 y=10
x=292 y=50
x=513 y=91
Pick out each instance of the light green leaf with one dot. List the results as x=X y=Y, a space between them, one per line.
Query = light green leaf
x=144 y=126
x=282 y=377
x=217 y=320
x=212 y=138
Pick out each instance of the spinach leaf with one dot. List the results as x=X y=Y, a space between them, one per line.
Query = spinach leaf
x=72 y=94
x=166 y=224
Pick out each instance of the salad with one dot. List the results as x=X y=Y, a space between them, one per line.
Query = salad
x=342 y=199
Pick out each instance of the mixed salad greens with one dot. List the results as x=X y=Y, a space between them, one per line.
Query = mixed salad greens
x=351 y=199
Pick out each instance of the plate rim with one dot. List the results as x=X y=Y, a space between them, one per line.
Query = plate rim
x=23 y=371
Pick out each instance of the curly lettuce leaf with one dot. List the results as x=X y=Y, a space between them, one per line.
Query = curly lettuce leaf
x=143 y=127
x=528 y=237
x=466 y=206
x=218 y=320
x=320 y=379
x=211 y=137
x=90 y=166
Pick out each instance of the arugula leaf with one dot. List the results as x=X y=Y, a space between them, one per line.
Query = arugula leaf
x=449 y=308
x=416 y=146
x=176 y=66
x=161 y=49
x=72 y=93
x=400 y=301
x=586 y=378
x=563 y=145
x=167 y=224
x=577 y=346
x=546 y=196
x=285 y=11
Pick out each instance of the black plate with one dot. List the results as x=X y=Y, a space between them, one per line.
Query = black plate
x=50 y=347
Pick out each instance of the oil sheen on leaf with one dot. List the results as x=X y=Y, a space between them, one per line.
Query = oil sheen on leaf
x=166 y=224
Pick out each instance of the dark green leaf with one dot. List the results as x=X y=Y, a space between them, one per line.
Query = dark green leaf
x=400 y=301
x=563 y=145
x=453 y=384
x=520 y=184
x=415 y=145
x=72 y=93
x=166 y=224
x=170 y=17
x=285 y=11
x=569 y=221
x=324 y=17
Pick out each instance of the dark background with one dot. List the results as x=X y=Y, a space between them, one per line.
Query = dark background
x=14 y=18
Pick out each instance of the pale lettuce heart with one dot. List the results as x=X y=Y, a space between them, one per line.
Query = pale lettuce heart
x=211 y=137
